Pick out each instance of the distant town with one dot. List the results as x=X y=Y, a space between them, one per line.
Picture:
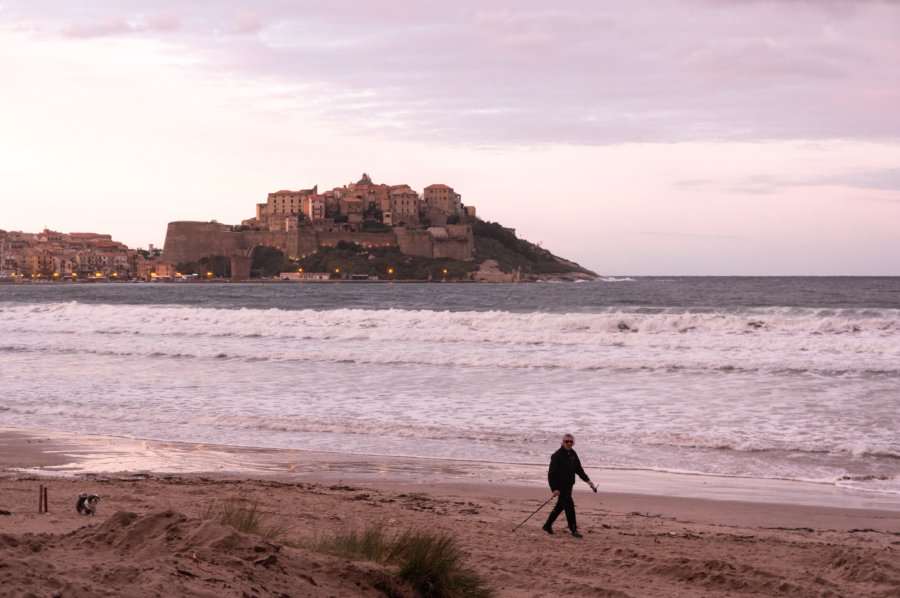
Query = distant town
x=434 y=224
x=51 y=255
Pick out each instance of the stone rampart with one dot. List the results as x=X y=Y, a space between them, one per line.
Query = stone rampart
x=294 y=244
x=455 y=241
x=415 y=242
x=331 y=238
x=459 y=244
x=191 y=241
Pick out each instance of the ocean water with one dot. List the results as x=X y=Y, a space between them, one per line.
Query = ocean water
x=783 y=378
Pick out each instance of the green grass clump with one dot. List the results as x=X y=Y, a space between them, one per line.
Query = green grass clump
x=244 y=516
x=435 y=565
x=432 y=563
x=372 y=544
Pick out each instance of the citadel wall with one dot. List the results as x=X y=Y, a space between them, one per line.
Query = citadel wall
x=415 y=242
x=332 y=238
x=191 y=241
x=294 y=243
x=459 y=243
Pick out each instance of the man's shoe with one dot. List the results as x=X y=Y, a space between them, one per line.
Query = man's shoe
x=576 y=534
x=546 y=527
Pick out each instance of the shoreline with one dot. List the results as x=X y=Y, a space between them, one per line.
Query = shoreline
x=54 y=454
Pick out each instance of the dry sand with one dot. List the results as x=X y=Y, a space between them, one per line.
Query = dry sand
x=149 y=538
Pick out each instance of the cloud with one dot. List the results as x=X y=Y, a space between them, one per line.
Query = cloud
x=494 y=73
x=110 y=25
x=248 y=22
x=754 y=61
x=887 y=179
x=164 y=22
x=540 y=31
x=882 y=180
x=116 y=25
x=654 y=233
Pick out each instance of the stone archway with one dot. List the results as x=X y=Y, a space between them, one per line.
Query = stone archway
x=262 y=259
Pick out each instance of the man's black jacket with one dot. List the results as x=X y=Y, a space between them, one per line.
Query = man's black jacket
x=561 y=474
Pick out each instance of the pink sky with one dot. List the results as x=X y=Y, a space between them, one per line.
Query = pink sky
x=664 y=137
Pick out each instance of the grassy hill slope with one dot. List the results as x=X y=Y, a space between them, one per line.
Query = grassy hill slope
x=494 y=242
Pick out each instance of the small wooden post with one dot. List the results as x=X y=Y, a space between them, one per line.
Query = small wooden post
x=42 y=500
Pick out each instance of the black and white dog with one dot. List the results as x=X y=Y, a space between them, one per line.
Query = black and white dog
x=87 y=503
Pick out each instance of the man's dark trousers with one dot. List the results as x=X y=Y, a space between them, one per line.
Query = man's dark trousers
x=565 y=503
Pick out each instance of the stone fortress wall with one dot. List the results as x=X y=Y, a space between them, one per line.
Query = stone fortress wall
x=188 y=241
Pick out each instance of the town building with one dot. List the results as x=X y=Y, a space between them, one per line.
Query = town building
x=404 y=206
x=52 y=255
x=443 y=199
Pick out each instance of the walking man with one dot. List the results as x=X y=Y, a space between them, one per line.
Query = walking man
x=564 y=464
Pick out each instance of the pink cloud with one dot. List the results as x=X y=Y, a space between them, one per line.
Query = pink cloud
x=116 y=24
x=164 y=22
x=110 y=25
x=581 y=72
x=540 y=31
x=248 y=22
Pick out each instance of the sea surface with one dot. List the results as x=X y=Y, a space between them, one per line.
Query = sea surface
x=781 y=378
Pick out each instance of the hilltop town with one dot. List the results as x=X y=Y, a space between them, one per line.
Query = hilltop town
x=354 y=207
x=362 y=230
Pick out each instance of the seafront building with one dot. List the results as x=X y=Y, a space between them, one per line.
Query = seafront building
x=51 y=255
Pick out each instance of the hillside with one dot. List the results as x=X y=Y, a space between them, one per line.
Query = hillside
x=512 y=254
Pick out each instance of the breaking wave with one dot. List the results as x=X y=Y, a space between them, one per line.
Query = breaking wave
x=771 y=339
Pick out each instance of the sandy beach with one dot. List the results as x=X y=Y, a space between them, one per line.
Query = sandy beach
x=149 y=537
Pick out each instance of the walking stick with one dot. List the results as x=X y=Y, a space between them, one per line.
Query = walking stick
x=533 y=514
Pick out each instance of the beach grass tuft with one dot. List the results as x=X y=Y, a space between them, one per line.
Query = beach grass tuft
x=372 y=543
x=244 y=516
x=431 y=562
x=435 y=564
